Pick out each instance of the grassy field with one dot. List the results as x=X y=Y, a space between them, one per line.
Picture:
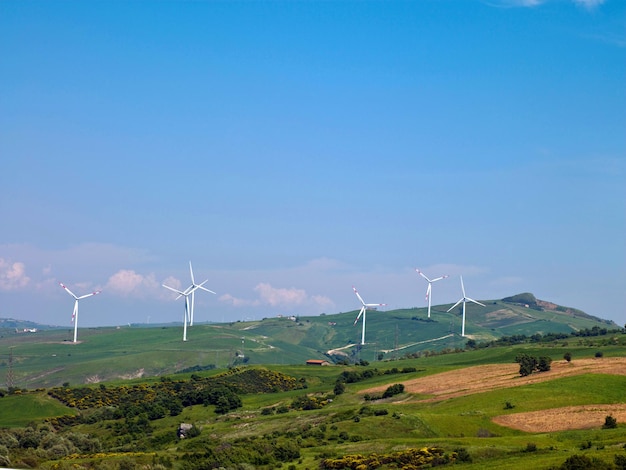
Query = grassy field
x=402 y=348
x=49 y=358
x=350 y=424
x=19 y=410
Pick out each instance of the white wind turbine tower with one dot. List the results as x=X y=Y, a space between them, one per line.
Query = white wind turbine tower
x=464 y=299
x=185 y=294
x=192 y=290
x=429 y=289
x=364 y=308
x=75 y=312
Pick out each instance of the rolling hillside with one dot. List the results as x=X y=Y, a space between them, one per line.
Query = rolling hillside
x=470 y=408
x=47 y=357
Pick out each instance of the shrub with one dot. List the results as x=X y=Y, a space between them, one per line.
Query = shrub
x=582 y=462
x=585 y=445
x=599 y=354
x=609 y=423
x=462 y=455
x=392 y=390
x=508 y=406
x=531 y=447
x=567 y=356
x=620 y=462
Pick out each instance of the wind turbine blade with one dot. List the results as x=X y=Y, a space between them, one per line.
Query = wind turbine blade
x=428 y=291
x=89 y=295
x=68 y=291
x=208 y=290
x=422 y=274
x=475 y=301
x=357 y=294
x=375 y=305
x=359 y=315
x=175 y=290
x=462 y=287
x=191 y=272
x=461 y=300
x=439 y=278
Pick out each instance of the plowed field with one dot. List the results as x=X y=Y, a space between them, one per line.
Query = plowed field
x=479 y=379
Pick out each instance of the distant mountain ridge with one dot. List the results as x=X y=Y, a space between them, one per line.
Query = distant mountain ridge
x=12 y=323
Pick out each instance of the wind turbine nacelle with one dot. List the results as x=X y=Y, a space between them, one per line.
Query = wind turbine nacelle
x=372 y=308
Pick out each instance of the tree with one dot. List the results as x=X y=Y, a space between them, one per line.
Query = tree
x=609 y=423
x=567 y=356
x=582 y=462
x=393 y=390
x=527 y=364
x=544 y=364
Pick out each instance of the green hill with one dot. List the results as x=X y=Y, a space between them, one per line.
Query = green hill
x=311 y=417
x=48 y=358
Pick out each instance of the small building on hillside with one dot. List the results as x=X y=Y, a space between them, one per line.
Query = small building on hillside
x=317 y=362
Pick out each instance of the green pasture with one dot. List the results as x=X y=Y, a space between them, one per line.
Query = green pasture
x=347 y=424
x=49 y=358
x=19 y=410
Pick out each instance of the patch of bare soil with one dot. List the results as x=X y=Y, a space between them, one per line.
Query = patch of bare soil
x=560 y=419
x=479 y=379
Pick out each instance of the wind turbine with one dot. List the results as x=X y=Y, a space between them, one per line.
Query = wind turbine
x=192 y=290
x=430 y=283
x=464 y=300
x=75 y=312
x=365 y=307
x=185 y=294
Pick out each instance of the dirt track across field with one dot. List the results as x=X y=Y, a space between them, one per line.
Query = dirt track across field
x=479 y=379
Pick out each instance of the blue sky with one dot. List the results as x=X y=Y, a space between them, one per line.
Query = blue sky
x=291 y=150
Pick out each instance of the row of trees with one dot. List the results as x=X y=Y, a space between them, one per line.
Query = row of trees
x=546 y=338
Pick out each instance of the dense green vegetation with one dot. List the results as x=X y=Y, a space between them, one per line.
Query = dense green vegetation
x=239 y=395
x=291 y=416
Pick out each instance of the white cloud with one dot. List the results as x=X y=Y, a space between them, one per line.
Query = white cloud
x=12 y=275
x=278 y=297
x=129 y=283
x=322 y=300
x=237 y=302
